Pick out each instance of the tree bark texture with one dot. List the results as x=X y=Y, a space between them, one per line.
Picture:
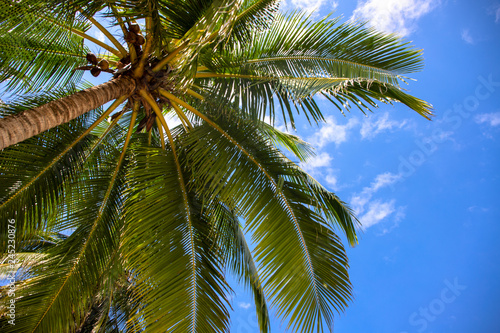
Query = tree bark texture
x=24 y=125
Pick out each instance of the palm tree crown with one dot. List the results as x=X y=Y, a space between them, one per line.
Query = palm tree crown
x=125 y=223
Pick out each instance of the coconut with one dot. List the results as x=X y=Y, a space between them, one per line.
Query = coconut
x=103 y=64
x=134 y=27
x=95 y=71
x=140 y=39
x=91 y=58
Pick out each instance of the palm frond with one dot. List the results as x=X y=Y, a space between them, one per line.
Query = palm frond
x=183 y=287
x=303 y=263
x=252 y=16
x=119 y=230
x=374 y=91
x=301 y=149
x=44 y=54
x=296 y=46
x=234 y=248
x=297 y=58
x=72 y=271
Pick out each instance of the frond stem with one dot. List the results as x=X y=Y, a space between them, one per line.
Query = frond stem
x=257 y=77
x=254 y=61
x=149 y=38
x=106 y=132
x=133 y=54
x=84 y=35
x=195 y=94
x=160 y=131
x=181 y=115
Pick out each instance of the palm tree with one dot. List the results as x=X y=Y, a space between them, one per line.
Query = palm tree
x=155 y=216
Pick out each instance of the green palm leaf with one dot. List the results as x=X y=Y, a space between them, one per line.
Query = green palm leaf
x=183 y=288
x=297 y=58
x=231 y=239
x=44 y=54
x=71 y=273
x=303 y=278
x=301 y=149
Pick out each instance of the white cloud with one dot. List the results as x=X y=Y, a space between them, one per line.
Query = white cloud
x=332 y=181
x=377 y=211
x=372 y=212
x=397 y=16
x=319 y=161
x=99 y=35
x=399 y=215
x=492 y=119
x=444 y=135
x=474 y=209
x=371 y=128
x=330 y=131
x=309 y=6
x=244 y=305
x=358 y=202
x=496 y=12
x=383 y=180
x=466 y=36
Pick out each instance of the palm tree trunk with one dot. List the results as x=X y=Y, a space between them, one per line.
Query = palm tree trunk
x=24 y=125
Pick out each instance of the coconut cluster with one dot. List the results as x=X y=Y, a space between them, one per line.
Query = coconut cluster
x=98 y=65
x=134 y=35
x=150 y=80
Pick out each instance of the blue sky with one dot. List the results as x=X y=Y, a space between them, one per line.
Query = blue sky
x=426 y=192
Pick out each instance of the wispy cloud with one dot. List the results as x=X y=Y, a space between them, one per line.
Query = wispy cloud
x=359 y=201
x=244 y=305
x=399 y=16
x=332 y=180
x=377 y=211
x=492 y=119
x=383 y=180
x=321 y=160
x=373 y=126
x=495 y=9
x=476 y=209
x=466 y=36
x=330 y=131
x=370 y=211
x=309 y=6
x=399 y=215
x=100 y=36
